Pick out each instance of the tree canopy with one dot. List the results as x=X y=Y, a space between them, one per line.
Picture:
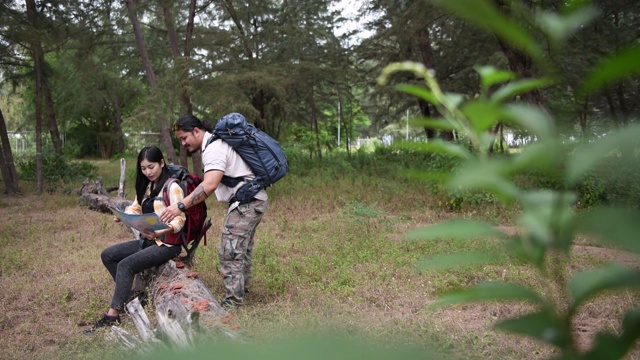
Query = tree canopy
x=96 y=71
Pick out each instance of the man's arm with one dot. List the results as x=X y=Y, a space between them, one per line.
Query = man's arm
x=208 y=185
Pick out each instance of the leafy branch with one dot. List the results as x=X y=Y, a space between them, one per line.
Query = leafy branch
x=548 y=220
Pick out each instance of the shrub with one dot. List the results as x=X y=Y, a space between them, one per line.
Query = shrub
x=55 y=167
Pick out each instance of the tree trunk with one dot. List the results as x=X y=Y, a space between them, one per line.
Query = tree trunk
x=7 y=166
x=623 y=104
x=51 y=113
x=151 y=77
x=258 y=97
x=426 y=52
x=45 y=90
x=248 y=51
x=314 y=122
x=36 y=51
x=183 y=64
x=521 y=64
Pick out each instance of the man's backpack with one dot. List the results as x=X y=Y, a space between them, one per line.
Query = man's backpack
x=261 y=152
x=196 y=224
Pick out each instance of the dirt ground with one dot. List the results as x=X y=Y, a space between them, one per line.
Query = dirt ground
x=43 y=302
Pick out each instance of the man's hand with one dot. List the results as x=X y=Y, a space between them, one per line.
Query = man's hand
x=169 y=213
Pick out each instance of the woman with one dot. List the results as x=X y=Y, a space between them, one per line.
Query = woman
x=125 y=260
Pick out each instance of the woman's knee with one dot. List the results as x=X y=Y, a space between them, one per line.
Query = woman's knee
x=106 y=256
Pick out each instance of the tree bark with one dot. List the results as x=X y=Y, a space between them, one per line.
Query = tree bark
x=45 y=89
x=36 y=54
x=184 y=308
x=7 y=166
x=248 y=50
x=183 y=64
x=426 y=53
x=314 y=121
x=112 y=101
x=52 y=123
x=176 y=289
x=258 y=96
x=521 y=64
x=151 y=77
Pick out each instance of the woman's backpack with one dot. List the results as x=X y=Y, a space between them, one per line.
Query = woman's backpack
x=197 y=224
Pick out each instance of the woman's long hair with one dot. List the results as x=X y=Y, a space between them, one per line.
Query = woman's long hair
x=151 y=154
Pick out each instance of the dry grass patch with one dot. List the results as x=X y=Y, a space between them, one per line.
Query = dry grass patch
x=325 y=260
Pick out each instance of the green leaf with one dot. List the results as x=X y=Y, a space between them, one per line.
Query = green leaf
x=547 y=216
x=569 y=6
x=531 y=252
x=455 y=229
x=619 y=66
x=419 y=92
x=586 y=284
x=490 y=76
x=458 y=260
x=588 y=156
x=486 y=175
x=481 y=114
x=545 y=156
x=484 y=14
x=617 y=227
x=543 y=325
x=560 y=27
x=609 y=346
x=434 y=123
x=454 y=99
x=512 y=89
x=447 y=148
x=489 y=292
x=530 y=118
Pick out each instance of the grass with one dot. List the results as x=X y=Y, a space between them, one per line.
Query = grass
x=331 y=263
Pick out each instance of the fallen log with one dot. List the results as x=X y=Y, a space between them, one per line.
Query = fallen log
x=102 y=203
x=185 y=310
x=94 y=196
x=181 y=298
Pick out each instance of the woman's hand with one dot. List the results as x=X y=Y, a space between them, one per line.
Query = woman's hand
x=148 y=235
x=159 y=233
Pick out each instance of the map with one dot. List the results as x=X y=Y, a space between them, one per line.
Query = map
x=144 y=223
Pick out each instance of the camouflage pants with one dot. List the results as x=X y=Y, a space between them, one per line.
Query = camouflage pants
x=236 y=249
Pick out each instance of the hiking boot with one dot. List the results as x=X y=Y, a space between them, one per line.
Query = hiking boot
x=104 y=322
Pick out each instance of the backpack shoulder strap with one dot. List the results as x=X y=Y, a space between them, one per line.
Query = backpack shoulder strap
x=165 y=190
x=211 y=139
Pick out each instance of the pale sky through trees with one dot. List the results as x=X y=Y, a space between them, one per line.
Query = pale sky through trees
x=349 y=9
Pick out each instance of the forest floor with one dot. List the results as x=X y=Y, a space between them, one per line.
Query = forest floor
x=53 y=286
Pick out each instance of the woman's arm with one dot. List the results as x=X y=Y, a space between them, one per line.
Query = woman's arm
x=175 y=195
x=207 y=187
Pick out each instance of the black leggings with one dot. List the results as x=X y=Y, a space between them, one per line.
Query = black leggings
x=126 y=259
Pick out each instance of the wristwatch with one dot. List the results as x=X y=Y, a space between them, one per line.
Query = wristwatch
x=181 y=207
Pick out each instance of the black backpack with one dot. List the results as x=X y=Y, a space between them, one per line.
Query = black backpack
x=261 y=152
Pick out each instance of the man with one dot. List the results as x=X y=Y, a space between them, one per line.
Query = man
x=220 y=159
